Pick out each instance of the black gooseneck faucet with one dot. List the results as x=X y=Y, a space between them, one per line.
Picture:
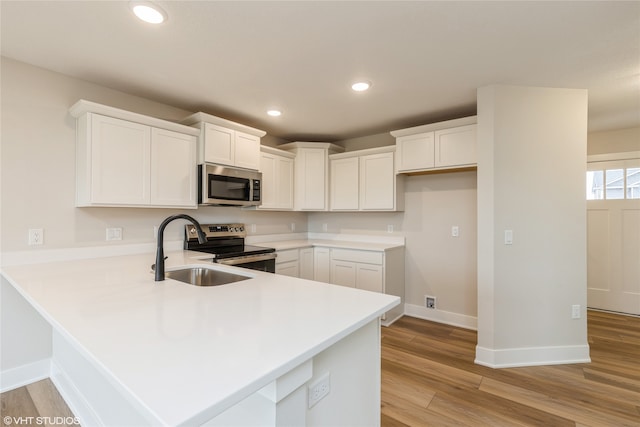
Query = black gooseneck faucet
x=159 y=265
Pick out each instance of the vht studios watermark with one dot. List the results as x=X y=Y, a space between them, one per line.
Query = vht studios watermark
x=40 y=421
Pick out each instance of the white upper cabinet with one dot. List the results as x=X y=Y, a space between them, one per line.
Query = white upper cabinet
x=311 y=174
x=455 y=146
x=378 y=182
x=127 y=159
x=365 y=180
x=171 y=185
x=277 y=179
x=345 y=184
x=444 y=145
x=225 y=142
x=415 y=152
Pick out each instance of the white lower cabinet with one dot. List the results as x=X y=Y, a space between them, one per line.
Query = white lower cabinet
x=287 y=262
x=306 y=263
x=370 y=270
x=375 y=271
x=295 y=263
x=322 y=264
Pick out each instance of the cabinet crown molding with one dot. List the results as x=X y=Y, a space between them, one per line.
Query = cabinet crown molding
x=332 y=148
x=435 y=126
x=208 y=118
x=277 y=152
x=365 y=152
x=83 y=106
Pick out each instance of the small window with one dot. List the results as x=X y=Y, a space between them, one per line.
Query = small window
x=595 y=185
x=633 y=183
x=615 y=184
x=615 y=180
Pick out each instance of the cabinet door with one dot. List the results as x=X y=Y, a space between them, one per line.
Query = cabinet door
x=343 y=273
x=305 y=264
x=322 y=265
x=246 y=151
x=369 y=277
x=218 y=145
x=269 y=181
x=456 y=146
x=311 y=179
x=415 y=152
x=120 y=161
x=173 y=169
x=288 y=268
x=284 y=183
x=377 y=182
x=345 y=182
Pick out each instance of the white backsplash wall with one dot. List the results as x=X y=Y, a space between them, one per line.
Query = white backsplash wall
x=437 y=264
x=38 y=169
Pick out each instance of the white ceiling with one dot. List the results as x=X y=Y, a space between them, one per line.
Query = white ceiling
x=425 y=59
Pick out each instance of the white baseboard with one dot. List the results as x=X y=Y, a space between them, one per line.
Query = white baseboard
x=26 y=374
x=441 y=316
x=532 y=356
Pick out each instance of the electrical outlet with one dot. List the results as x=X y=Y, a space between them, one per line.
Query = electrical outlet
x=575 y=311
x=390 y=228
x=253 y=228
x=455 y=231
x=429 y=302
x=114 y=233
x=319 y=389
x=36 y=236
x=293 y=226
x=325 y=227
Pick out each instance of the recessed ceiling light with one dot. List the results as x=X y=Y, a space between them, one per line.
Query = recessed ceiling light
x=361 y=86
x=274 y=113
x=148 y=11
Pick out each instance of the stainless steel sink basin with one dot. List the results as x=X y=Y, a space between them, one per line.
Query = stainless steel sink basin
x=200 y=276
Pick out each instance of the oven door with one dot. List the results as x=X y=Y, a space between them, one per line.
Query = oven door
x=261 y=262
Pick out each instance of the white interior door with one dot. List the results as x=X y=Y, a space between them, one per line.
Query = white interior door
x=613 y=235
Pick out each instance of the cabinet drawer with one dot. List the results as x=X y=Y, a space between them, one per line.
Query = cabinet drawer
x=366 y=257
x=286 y=256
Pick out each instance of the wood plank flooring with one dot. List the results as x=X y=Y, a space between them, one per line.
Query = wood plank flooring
x=429 y=379
x=38 y=404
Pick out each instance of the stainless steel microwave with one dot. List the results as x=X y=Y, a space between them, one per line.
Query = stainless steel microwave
x=228 y=186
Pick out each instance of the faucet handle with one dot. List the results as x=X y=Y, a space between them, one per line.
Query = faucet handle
x=153 y=266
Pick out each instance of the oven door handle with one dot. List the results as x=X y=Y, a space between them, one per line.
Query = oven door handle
x=246 y=259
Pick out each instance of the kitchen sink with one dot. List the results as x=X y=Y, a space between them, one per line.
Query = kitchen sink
x=200 y=276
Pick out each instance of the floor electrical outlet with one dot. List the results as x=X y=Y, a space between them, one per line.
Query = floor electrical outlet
x=429 y=302
x=319 y=389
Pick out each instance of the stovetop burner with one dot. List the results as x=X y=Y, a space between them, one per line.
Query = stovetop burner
x=223 y=241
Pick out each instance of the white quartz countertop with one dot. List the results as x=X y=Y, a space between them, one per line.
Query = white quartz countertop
x=341 y=244
x=184 y=353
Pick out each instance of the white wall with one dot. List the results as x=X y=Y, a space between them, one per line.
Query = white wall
x=436 y=263
x=38 y=168
x=531 y=172
x=614 y=141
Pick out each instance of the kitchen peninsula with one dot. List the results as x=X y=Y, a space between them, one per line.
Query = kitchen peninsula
x=127 y=350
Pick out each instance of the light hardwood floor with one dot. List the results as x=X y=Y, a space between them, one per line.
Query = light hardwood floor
x=37 y=404
x=429 y=379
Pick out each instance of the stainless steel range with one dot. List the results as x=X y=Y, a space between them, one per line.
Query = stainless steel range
x=226 y=243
